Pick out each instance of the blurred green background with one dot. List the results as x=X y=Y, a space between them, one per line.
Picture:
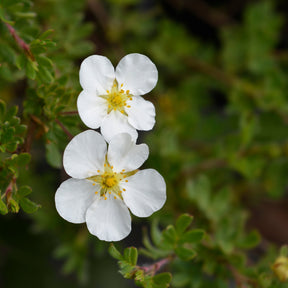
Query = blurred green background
x=220 y=139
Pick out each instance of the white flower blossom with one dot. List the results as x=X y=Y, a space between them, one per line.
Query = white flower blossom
x=111 y=98
x=106 y=182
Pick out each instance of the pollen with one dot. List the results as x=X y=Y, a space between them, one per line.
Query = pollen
x=116 y=98
x=110 y=181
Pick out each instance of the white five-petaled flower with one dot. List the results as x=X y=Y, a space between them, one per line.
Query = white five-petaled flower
x=111 y=98
x=106 y=182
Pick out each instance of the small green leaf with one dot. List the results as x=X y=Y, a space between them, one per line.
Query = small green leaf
x=250 y=241
x=23 y=159
x=114 y=252
x=162 y=279
x=185 y=253
x=24 y=191
x=30 y=70
x=131 y=255
x=28 y=206
x=53 y=155
x=193 y=236
x=169 y=236
x=3 y=208
x=183 y=223
x=14 y=206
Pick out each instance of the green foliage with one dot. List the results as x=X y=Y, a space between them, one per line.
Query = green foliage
x=220 y=139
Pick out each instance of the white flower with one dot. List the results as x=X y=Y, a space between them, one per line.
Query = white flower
x=106 y=182
x=111 y=98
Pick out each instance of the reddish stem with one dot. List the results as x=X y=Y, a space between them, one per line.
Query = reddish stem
x=21 y=43
x=70 y=136
x=69 y=112
x=155 y=267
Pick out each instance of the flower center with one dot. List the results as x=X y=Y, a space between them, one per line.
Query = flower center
x=117 y=98
x=108 y=181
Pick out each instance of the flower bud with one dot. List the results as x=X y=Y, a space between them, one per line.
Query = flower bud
x=280 y=268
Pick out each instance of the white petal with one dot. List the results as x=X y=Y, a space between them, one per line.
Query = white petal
x=85 y=154
x=123 y=153
x=92 y=109
x=115 y=123
x=141 y=114
x=109 y=219
x=73 y=198
x=96 y=74
x=145 y=192
x=137 y=73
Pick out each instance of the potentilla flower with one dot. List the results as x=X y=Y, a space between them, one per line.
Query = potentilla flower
x=106 y=182
x=111 y=98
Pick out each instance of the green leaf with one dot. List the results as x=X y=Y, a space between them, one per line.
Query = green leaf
x=162 y=279
x=24 y=191
x=14 y=206
x=3 y=208
x=185 y=253
x=114 y=252
x=169 y=236
x=28 y=206
x=23 y=158
x=53 y=155
x=131 y=255
x=183 y=223
x=193 y=236
x=250 y=241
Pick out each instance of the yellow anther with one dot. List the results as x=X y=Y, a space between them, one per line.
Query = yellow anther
x=121 y=85
x=105 y=198
x=123 y=170
x=96 y=192
x=109 y=192
x=107 y=91
x=93 y=184
x=111 y=167
x=124 y=189
x=121 y=91
x=115 y=197
x=128 y=106
x=126 y=180
x=127 y=92
x=105 y=165
x=98 y=171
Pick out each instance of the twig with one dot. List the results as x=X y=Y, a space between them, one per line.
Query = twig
x=155 y=267
x=9 y=189
x=75 y=112
x=20 y=42
x=69 y=135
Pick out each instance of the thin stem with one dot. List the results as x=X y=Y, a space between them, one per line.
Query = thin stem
x=20 y=42
x=75 y=112
x=69 y=135
x=155 y=267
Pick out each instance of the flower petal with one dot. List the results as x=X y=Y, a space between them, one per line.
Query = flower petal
x=137 y=73
x=141 y=114
x=115 y=123
x=109 y=219
x=85 y=154
x=123 y=153
x=92 y=109
x=145 y=192
x=96 y=74
x=72 y=199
